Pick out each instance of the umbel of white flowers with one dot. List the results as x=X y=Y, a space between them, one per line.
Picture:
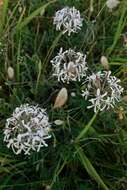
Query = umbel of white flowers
x=102 y=90
x=27 y=130
x=112 y=4
x=69 y=66
x=68 y=20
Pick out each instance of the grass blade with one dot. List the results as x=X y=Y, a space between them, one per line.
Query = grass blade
x=3 y=15
x=27 y=20
x=121 y=25
x=86 y=128
x=90 y=169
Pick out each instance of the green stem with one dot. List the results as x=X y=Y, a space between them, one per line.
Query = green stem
x=87 y=127
x=38 y=76
x=47 y=58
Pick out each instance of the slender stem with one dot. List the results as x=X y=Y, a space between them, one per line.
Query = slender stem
x=47 y=58
x=38 y=76
x=87 y=127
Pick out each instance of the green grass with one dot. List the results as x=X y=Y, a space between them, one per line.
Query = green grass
x=87 y=152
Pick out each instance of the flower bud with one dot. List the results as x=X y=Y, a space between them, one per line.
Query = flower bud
x=58 y=122
x=104 y=62
x=61 y=98
x=125 y=98
x=10 y=73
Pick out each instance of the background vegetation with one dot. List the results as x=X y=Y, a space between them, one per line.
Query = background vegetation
x=87 y=152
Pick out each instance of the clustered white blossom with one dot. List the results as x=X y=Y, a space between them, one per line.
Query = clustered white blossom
x=103 y=90
x=27 y=130
x=69 y=66
x=68 y=20
x=112 y=4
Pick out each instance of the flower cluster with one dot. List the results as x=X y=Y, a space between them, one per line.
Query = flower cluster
x=69 y=65
x=103 y=90
x=68 y=20
x=27 y=129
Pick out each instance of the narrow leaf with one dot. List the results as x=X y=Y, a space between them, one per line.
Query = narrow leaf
x=41 y=10
x=86 y=128
x=90 y=169
x=121 y=25
x=4 y=9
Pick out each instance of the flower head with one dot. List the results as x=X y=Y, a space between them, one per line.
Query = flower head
x=69 y=65
x=112 y=4
x=27 y=129
x=103 y=90
x=68 y=20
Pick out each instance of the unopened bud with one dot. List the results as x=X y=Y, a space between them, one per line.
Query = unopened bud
x=125 y=98
x=120 y=113
x=20 y=9
x=73 y=94
x=1 y=3
x=104 y=62
x=58 y=122
x=48 y=187
x=10 y=73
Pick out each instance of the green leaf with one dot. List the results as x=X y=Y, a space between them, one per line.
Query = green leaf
x=120 y=27
x=84 y=187
x=87 y=127
x=89 y=168
x=27 y=20
x=3 y=14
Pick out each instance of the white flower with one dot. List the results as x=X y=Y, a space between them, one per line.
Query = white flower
x=69 y=66
x=112 y=4
x=27 y=129
x=68 y=20
x=85 y=93
x=98 y=101
x=93 y=79
x=103 y=90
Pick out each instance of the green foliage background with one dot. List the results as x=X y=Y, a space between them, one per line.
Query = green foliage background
x=87 y=152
